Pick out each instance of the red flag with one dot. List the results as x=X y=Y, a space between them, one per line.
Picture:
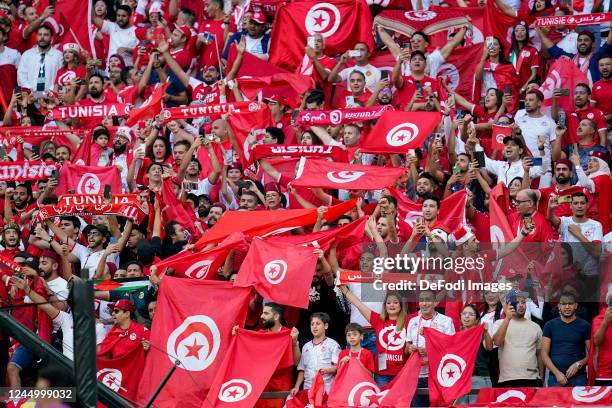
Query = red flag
x=499 y=133
x=341 y=22
x=600 y=396
x=500 y=229
x=264 y=223
x=149 y=108
x=345 y=236
x=177 y=210
x=458 y=69
x=474 y=36
x=517 y=397
x=326 y=174
x=88 y=179
x=291 y=86
x=562 y=74
x=80 y=21
x=122 y=374
x=451 y=363
x=401 y=390
x=237 y=384
x=204 y=264
x=279 y=272
x=499 y=25
x=451 y=214
x=193 y=324
x=353 y=387
x=252 y=66
x=244 y=123
x=396 y=132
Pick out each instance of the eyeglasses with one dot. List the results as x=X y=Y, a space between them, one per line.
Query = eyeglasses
x=93 y=233
x=580 y=92
x=115 y=311
x=522 y=201
x=468 y=314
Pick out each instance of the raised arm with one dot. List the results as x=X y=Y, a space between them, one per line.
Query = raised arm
x=164 y=48
x=365 y=311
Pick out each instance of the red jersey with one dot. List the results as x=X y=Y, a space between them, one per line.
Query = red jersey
x=363 y=98
x=183 y=57
x=594 y=115
x=603 y=365
x=404 y=94
x=65 y=75
x=484 y=117
x=212 y=31
x=206 y=94
x=526 y=60
x=364 y=355
x=285 y=125
x=389 y=343
x=120 y=342
x=602 y=90
x=565 y=198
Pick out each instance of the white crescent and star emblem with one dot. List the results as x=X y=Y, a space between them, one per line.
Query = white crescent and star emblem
x=324 y=19
x=402 y=134
x=365 y=394
x=511 y=394
x=195 y=343
x=342 y=177
x=391 y=339
x=111 y=377
x=423 y=15
x=275 y=271
x=200 y=268
x=590 y=394
x=450 y=369
x=88 y=184
x=235 y=390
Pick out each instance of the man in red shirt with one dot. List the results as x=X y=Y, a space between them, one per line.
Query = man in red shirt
x=278 y=107
x=527 y=215
x=180 y=52
x=211 y=35
x=602 y=89
x=562 y=189
x=416 y=88
x=602 y=343
x=125 y=335
x=583 y=110
x=315 y=63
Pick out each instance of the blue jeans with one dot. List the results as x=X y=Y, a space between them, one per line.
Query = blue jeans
x=578 y=380
x=383 y=380
x=22 y=357
x=420 y=400
x=369 y=343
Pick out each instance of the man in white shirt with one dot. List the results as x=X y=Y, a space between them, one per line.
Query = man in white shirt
x=362 y=56
x=49 y=270
x=122 y=35
x=536 y=125
x=9 y=61
x=513 y=167
x=584 y=233
x=39 y=65
x=427 y=317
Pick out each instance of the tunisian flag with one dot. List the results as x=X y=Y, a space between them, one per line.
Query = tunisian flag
x=149 y=108
x=562 y=74
x=242 y=123
x=203 y=264
x=122 y=374
x=600 y=396
x=326 y=174
x=177 y=210
x=505 y=397
x=458 y=69
x=88 y=179
x=264 y=223
x=237 y=384
x=341 y=22
x=451 y=363
x=396 y=132
x=79 y=16
x=193 y=325
x=280 y=272
x=499 y=25
x=499 y=133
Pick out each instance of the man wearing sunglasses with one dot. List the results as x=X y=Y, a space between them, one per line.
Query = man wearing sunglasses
x=126 y=334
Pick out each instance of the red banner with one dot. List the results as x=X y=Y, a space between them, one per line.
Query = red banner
x=326 y=174
x=122 y=374
x=575 y=20
x=89 y=111
x=396 y=132
x=22 y=171
x=340 y=116
x=131 y=211
x=430 y=21
x=216 y=110
x=600 y=396
x=149 y=108
x=85 y=199
x=505 y=396
x=262 y=151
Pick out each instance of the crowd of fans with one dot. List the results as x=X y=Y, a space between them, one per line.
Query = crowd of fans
x=557 y=190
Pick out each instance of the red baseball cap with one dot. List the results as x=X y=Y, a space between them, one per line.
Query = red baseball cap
x=186 y=31
x=123 y=304
x=258 y=18
x=278 y=99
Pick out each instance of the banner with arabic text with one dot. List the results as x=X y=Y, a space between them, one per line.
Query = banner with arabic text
x=132 y=211
x=340 y=116
x=583 y=19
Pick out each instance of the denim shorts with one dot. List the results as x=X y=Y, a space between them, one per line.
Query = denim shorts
x=22 y=357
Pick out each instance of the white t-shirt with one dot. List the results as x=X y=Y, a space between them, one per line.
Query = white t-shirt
x=59 y=286
x=372 y=75
x=593 y=231
x=370 y=293
x=434 y=62
x=120 y=37
x=439 y=322
x=533 y=127
x=65 y=322
x=89 y=260
x=204 y=187
x=314 y=358
x=254 y=45
x=10 y=56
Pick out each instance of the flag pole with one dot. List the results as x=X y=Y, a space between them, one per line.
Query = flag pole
x=162 y=384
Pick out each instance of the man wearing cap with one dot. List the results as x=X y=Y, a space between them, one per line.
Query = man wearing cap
x=278 y=107
x=181 y=54
x=273 y=196
x=125 y=335
x=122 y=155
x=122 y=35
x=519 y=341
x=48 y=265
x=257 y=40
x=513 y=166
x=585 y=59
x=39 y=65
x=583 y=110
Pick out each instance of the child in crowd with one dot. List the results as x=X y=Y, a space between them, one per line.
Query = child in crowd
x=354 y=337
